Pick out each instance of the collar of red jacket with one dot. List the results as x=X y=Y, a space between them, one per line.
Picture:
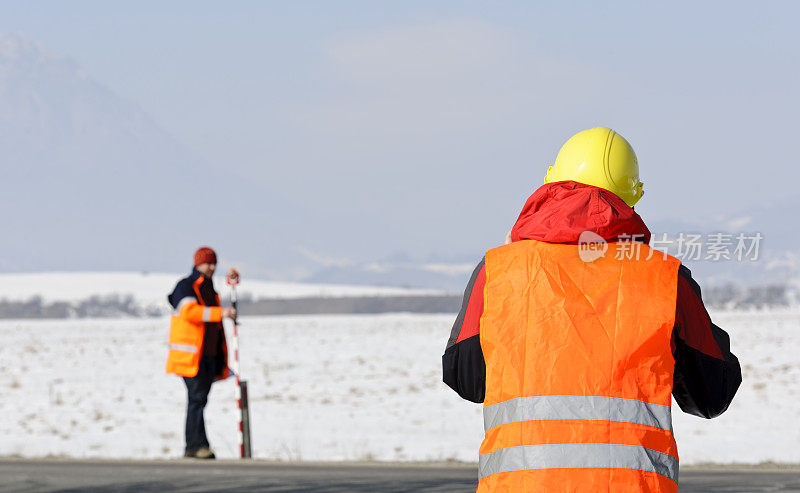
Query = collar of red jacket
x=559 y=212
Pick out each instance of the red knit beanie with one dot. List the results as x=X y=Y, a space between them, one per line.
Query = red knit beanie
x=204 y=255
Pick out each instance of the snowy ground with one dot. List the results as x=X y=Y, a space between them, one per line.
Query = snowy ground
x=330 y=388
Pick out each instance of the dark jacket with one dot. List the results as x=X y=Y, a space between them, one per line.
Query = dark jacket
x=214 y=345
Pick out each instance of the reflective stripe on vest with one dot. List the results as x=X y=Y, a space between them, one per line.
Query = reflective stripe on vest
x=183 y=302
x=577 y=455
x=577 y=407
x=207 y=314
x=185 y=348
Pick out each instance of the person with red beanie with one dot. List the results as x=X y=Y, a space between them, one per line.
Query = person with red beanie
x=197 y=348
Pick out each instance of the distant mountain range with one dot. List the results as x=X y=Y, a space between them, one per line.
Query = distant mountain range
x=778 y=259
x=91 y=182
x=777 y=262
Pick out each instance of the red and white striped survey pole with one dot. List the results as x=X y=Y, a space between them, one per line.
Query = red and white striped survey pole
x=232 y=278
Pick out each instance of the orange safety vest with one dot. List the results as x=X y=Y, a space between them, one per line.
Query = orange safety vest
x=187 y=328
x=578 y=370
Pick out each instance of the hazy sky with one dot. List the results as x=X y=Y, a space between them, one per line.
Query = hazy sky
x=423 y=126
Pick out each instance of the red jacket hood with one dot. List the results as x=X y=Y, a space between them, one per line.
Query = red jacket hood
x=559 y=212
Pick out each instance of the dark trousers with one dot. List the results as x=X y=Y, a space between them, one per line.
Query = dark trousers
x=198 y=387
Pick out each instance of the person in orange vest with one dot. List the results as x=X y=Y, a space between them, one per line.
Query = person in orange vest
x=197 y=348
x=575 y=334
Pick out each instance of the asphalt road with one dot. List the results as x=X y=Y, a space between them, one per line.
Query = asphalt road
x=17 y=475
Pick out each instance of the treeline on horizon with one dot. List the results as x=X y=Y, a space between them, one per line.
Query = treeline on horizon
x=113 y=306
x=729 y=296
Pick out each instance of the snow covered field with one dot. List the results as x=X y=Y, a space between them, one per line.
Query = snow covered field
x=330 y=388
x=150 y=290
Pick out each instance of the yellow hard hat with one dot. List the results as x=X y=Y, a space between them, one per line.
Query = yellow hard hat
x=600 y=157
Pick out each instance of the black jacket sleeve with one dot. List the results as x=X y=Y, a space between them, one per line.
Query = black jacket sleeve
x=464 y=369
x=182 y=290
x=707 y=375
